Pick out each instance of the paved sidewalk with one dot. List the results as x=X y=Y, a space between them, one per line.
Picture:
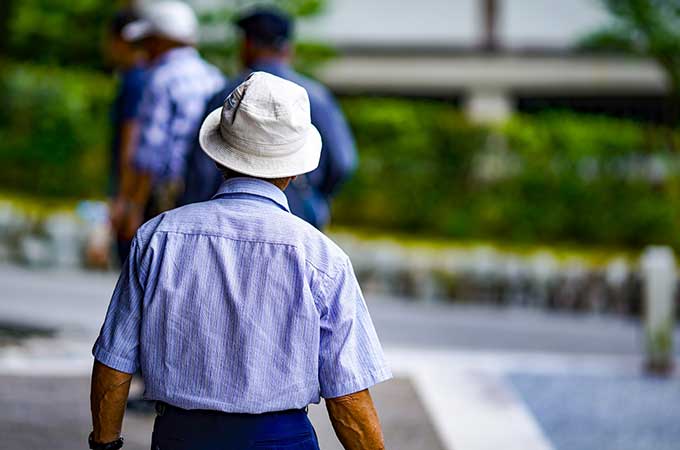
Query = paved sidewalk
x=468 y=378
x=583 y=412
x=53 y=413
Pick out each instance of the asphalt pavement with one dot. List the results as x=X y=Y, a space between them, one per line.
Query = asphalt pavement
x=467 y=377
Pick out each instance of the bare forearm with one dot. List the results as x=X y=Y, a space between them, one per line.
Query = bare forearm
x=141 y=188
x=138 y=191
x=356 y=422
x=109 y=393
x=128 y=142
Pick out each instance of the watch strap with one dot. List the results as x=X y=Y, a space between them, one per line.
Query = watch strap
x=113 y=445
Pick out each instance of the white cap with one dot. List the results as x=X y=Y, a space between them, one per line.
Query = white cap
x=264 y=129
x=173 y=20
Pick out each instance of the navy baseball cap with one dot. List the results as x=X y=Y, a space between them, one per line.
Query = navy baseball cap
x=266 y=26
x=121 y=19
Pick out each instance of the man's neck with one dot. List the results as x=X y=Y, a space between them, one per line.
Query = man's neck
x=269 y=60
x=157 y=56
x=131 y=64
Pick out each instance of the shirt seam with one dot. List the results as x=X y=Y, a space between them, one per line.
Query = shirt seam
x=138 y=262
x=327 y=275
x=221 y=194
x=321 y=295
x=216 y=234
x=202 y=233
x=324 y=290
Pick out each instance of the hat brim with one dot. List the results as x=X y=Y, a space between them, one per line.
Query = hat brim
x=137 y=30
x=299 y=162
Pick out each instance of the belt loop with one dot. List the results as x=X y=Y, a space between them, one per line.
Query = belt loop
x=160 y=408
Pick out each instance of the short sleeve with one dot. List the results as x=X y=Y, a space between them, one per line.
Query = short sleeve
x=118 y=343
x=155 y=111
x=351 y=358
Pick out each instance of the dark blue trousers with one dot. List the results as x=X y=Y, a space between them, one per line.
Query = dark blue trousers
x=180 y=429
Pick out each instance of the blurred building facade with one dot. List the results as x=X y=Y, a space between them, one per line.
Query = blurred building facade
x=493 y=57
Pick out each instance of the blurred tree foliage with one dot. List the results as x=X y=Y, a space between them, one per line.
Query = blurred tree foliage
x=220 y=43
x=54 y=131
x=645 y=27
x=561 y=177
x=415 y=162
x=57 y=32
x=70 y=32
x=424 y=169
x=54 y=98
x=54 y=95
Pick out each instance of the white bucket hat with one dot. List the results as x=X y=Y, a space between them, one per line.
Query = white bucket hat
x=264 y=129
x=170 y=19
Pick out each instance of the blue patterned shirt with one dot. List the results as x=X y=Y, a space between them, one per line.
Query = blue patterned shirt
x=179 y=85
x=237 y=305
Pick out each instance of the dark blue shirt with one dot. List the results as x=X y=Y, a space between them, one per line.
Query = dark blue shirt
x=310 y=194
x=125 y=107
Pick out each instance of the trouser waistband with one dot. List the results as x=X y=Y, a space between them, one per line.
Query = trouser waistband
x=163 y=407
x=215 y=430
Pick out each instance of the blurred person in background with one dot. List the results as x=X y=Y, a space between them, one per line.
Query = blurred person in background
x=266 y=46
x=179 y=83
x=129 y=63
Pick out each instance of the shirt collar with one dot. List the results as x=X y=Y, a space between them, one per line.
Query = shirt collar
x=255 y=187
x=270 y=65
x=176 y=53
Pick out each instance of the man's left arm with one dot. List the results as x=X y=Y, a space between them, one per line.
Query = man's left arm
x=116 y=350
x=108 y=396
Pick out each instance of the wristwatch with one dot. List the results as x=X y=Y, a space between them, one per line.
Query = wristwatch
x=113 y=445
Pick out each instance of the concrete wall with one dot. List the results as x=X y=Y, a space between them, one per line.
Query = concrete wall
x=489 y=84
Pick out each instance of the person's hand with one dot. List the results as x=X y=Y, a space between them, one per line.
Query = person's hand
x=117 y=213
x=133 y=220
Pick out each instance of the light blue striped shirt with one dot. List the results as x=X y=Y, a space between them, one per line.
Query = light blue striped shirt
x=235 y=304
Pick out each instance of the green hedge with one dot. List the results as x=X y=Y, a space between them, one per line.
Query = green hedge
x=590 y=179
x=424 y=169
x=53 y=131
x=559 y=177
x=415 y=166
x=58 y=32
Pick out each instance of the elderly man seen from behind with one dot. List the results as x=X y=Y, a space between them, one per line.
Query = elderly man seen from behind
x=239 y=313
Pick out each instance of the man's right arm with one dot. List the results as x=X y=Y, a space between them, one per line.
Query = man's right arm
x=355 y=421
x=351 y=360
